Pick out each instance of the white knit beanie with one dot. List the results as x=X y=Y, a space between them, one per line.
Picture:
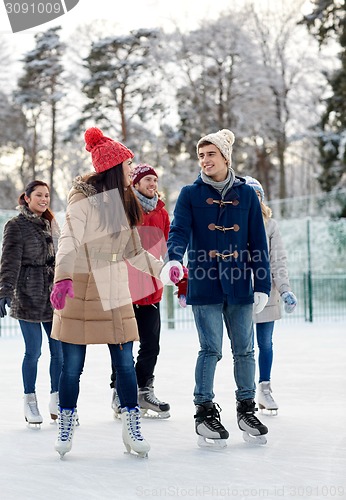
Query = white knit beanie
x=255 y=184
x=223 y=140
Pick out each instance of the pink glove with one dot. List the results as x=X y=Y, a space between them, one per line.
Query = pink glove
x=174 y=274
x=59 y=292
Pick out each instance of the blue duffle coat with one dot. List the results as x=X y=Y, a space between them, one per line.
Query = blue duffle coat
x=225 y=242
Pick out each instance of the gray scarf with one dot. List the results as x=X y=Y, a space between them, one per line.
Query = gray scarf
x=148 y=204
x=221 y=186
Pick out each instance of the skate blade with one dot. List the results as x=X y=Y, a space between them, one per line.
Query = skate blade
x=268 y=411
x=217 y=444
x=148 y=413
x=249 y=438
x=134 y=454
x=33 y=425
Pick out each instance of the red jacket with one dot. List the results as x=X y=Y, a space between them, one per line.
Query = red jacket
x=145 y=289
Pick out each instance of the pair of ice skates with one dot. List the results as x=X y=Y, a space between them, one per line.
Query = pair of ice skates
x=31 y=412
x=131 y=431
x=211 y=433
x=150 y=406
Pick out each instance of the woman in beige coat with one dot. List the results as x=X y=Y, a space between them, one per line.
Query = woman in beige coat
x=272 y=311
x=91 y=294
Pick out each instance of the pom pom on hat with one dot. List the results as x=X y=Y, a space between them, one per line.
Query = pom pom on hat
x=223 y=140
x=141 y=171
x=105 y=153
x=251 y=181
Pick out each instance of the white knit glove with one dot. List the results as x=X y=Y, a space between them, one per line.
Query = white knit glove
x=260 y=300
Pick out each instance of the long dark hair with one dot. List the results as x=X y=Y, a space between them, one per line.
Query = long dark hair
x=47 y=214
x=110 y=215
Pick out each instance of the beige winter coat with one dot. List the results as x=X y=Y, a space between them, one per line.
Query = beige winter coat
x=101 y=311
x=279 y=274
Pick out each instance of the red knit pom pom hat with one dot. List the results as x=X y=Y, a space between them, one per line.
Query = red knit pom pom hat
x=105 y=153
x=141 y=171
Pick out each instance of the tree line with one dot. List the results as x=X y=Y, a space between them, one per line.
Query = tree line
x=268 y=75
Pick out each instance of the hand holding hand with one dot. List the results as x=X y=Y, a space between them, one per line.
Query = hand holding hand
x=3 y=302
x=261 y=300
x=290 y=301
x=171 y=273
x=59 y=292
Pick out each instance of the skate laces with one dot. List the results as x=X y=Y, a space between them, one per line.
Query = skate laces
x=66 y=425
x=134 y=423
x=151 y=398
x=250 y=417
x=213 y=417
x=32 y=403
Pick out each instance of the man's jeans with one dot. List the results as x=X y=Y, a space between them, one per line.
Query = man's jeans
x=32 y=334
x=122 y=360
x=264 y=333
x=209 y=323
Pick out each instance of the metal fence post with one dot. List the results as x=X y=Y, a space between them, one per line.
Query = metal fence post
x=170 y=307
x=309 y=275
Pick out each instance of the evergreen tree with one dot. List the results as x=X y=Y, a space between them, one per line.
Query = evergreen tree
x=328 y=21
x=39 y=90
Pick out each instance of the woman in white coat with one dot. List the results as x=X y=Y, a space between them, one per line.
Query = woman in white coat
x=280 y=289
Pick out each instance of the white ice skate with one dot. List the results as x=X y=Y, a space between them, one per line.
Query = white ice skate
x=31 y=412
x=150 y=405
x=253 y=430
x=115 y=404
x=67 y=423
x=211 y=433
x=265 y=399
x=53 y=406
x=133 y=440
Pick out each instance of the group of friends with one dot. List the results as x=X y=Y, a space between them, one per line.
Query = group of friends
x=100 y=281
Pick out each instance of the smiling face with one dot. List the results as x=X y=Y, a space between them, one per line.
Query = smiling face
x=127 y=170
x=39 y=200
x=147 y=186
x=212 y=162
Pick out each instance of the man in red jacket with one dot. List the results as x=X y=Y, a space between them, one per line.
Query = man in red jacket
x=146 y=291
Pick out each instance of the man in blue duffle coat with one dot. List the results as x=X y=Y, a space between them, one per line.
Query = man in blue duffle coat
x=219 y=224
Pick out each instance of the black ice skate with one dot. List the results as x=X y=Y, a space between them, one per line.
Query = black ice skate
x=149 y=404
x=211 y=433
x=253 y=430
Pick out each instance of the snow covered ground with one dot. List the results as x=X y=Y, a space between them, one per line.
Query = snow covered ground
x=305 y=456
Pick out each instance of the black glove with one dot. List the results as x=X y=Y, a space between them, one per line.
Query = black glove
x=3 y=302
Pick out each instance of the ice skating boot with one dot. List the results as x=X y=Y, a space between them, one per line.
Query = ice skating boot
x=253 y=430
x=265 y=398
x=31 y=412
x=115 y=404
x=148 y=401
x=53 y=405
x=67 y=423
x=131 y=432
x=208 y=426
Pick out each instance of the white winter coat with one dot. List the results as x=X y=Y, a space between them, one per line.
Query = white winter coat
x=279 y=274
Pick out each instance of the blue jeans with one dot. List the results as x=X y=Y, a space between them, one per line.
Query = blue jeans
x=209 y=323
x=264 y=332
x=122 y=360
x=32 y=334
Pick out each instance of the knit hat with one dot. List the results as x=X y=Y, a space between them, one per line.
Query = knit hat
x=141 y=171
x=223 y=140
x=105 y=153
x=256 y=185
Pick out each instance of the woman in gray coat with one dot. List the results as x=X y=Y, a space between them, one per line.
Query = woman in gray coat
x=26 y=279
x=280 y=288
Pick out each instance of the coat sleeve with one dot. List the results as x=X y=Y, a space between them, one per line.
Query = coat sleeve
x=11 y=258
x=140 y=258
x=71 y=237
x=180 y=231
x=258 y=247
x=278 y=260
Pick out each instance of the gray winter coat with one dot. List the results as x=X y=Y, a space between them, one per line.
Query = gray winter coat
x=279 y=274
x=26 y=272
